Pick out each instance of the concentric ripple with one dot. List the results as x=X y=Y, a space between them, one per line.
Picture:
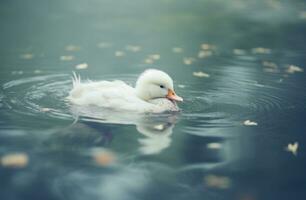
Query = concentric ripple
x=233 y=95
x=39 y=96
x=230 y=96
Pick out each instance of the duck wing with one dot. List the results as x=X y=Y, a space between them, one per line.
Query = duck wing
x=110 y=94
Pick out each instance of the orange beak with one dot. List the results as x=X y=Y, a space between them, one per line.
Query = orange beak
x=172 y=96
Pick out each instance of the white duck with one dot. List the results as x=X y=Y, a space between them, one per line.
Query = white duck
x=153 y=93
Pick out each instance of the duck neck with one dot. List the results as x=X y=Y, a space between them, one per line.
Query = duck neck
x=142 y=93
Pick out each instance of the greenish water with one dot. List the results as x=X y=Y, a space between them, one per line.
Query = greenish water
x=252 y=59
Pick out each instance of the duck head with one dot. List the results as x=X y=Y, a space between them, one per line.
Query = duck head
x=153 y=84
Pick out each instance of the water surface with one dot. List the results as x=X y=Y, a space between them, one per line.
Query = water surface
x=251 y=59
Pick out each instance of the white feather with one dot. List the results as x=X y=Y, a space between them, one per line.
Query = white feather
x=121 y=96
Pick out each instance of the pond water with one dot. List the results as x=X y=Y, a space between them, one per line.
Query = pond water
x=239 y=65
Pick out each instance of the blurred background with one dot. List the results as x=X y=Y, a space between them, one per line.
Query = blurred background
x=239 y=65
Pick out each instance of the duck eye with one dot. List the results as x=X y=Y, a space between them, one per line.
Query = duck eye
x=161 y=86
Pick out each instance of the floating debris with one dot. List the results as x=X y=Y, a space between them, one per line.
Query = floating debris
x=104 y=45
x=66 y=58
x=27 y=56
x=293 y=148
x=15 y=160
x=159 y=127
x=205 y=54
x=250 y=123
x=82 y=66
x=220 y=182
x=188 y=60
x=214 y=145
x=302 y=15
x=133 y=48
x=293 y=68
x=119 y=53
x=201 y=74
x=239 y=52
x=177 y=50
x=261 y=50
x=149 y=61
x=181 y=86
x=104 y=157
x=208 y=46
x=270 y=67
x=37 y=71
x=154 y=56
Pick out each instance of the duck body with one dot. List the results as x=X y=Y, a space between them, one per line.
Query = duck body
x=120 y=96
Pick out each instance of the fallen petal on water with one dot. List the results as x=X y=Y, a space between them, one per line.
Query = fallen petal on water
x=15 y=160
x=261 y=50
x=208 y=46
x=37 y=71
x=188 y=60
x=104 y=157
x=239 y=52
x=201 y=74
x=269 y=64
x=119 y=53
x=154 y=56
x=149 y=61
x=133 y=48
x=177 y=50
x=214 y=145
x=205 y=54
x=67 y=58
x=293 y=68
x=250 y=123
x=82 y=66
x=293 y=148
x=27 y=56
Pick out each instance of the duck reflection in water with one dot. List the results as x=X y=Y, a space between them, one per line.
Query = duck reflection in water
x=157 y=128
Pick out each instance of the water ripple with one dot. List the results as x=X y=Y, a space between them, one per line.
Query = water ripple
x=231 y=96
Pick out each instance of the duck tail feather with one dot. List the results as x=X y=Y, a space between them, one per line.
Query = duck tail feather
x=76 y=79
